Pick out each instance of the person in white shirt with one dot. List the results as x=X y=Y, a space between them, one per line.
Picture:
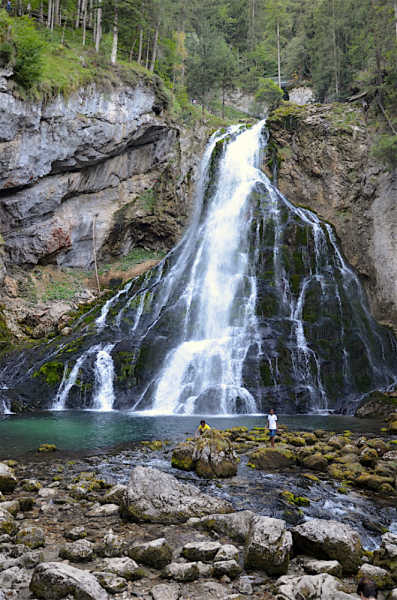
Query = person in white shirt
x=272 y=423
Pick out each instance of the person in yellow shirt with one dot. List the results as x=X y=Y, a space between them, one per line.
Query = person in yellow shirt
x=202 y=427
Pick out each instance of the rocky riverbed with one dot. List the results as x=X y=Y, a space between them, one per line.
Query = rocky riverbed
x=119 y=524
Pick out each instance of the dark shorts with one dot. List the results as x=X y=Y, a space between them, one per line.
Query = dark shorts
x=272 y=432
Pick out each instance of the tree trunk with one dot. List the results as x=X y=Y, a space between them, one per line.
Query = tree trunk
x=49 y=13
x=98 y=25
x=56 y=12
x=147 y=50
x=395 y=14
x=278 y=54
x=78 y=14
x=140 y=46
x=154 y=51
x=223 y=102
x=52 y=18
x=133 y=45
x=90 y=15
x=41 y=13
x=113 y=56
x=84 y=20
x=335 y=52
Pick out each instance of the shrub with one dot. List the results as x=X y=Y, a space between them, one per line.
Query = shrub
x=269 y=93
x=385 y=149
x=29 y=61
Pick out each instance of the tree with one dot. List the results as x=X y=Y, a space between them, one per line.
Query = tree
x=278 y=18
x=269 y=94
x=228 y=65
x=203 y=63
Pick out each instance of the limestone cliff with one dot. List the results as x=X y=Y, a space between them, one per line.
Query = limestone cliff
x=114 y=155
x=321 y=157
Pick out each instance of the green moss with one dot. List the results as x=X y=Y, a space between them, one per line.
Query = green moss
x=52 y=372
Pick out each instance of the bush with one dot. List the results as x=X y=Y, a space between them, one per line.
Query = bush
x=385 y=149
x=29 y=61
x=269 y=93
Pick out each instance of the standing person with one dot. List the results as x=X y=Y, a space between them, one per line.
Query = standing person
x=202 y=427
x=367 y=589
x=8 y=7
x=272 y=423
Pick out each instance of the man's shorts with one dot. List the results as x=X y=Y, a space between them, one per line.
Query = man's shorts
x=272 y=432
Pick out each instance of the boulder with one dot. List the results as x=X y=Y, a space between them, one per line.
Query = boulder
x=80 y=551
x=31 y=485
x=268 y=545
x=386 y=556
x=110 y=582
x=10 y=576
x=165 y=591
x=33 y=537
x=315 y=462
x=181 y=572
x=7 y=523
x=111 y=546
x=77 y=533
x=123 y=567
x=182 y=456
x=156 y=554
x=11 y=506
x=379 y=445
x=104 y=510
x=114 y=495
x=227 y=552
x=203 y=551
x=368 y=456
x=269 y=458
x=153 y=496
x=231 y=568
x=318 y=587
x=8 y=481
x=315 y=567
x=54 y=581
x=214 y=456
x=374 y=482
x=47 y=448
x=26 y=503
x=380 y=576
x=235 y=526
x=329 y=540
x=337 y=442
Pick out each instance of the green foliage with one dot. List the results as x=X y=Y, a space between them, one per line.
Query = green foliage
x=269 y=94
x=52 y=372
x=385 y=149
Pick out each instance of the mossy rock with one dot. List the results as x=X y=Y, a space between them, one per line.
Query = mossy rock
x=272 y=458
x=310 y=477
x=47 y=448
x=10 y=463
x=31 y=485
x=315 y=462
x=297 y=441
x=26 y=503
x=373 y=482
x=310 y=439
x=182 y=456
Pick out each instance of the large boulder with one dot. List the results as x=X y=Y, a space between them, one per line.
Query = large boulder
x=380 y=576
x=182 y=456
x=153 y=496
x=386 y=556
x=268 y=546
x=318 y=587
x=235 y=526
x=204 y=551
x=54 y=581
x=31 y=536
x=8 y=481
x=316 y=462
x=271 y=458
x=329 y=540
x=156 y=554
x=181 y=572
x=214 y=456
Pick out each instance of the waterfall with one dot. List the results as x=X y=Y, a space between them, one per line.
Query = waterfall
x=255 y=306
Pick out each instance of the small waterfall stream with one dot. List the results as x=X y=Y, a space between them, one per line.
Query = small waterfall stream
x=255 y=306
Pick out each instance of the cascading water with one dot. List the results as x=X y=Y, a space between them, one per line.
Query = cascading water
x=255 y=306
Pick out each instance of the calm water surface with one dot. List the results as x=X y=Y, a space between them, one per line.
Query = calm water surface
x=73 y=431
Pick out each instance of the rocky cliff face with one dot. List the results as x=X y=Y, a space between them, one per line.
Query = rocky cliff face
x=321 y=158
x=113 y=156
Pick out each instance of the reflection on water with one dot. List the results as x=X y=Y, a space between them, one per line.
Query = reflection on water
x=79 y=430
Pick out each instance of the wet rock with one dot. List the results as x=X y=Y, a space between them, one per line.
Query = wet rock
x=181 y=572
x=380 y=576
x=231 y=568
x=374 y=482
x=268 y=546
x=8 y=480
x=214 y=456
x=54 y=581
x=79 y=551
x=77 y=533
x=320 y=587
x=379 y=445
x=31 y=485
x=337 y=442
x=316 y=462
x=111 y=583
x=315 y=567
x=203 y=551
x=236 y=526
x=227 y=552
x=156 y=554
x=269 y=458
x=78 y=493
x=114 y=495
x=374 y=526
x=386 y=556
x=47 y=448
x=368 y=456
x=105 y=510
x=329 y=540
x=33 y=537
x=160 y=498
x=123 y=567
x=165 y=591
x=182 y=456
